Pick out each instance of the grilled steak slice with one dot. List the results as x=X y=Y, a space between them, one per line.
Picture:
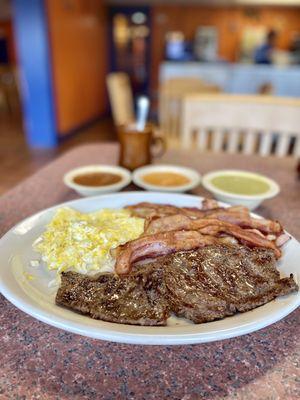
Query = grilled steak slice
x=137 y=299
x=201 y=285
x=219 y=280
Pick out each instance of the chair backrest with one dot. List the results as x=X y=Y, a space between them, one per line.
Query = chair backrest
x=171 y=93
x=121 y=98
x=250 y=124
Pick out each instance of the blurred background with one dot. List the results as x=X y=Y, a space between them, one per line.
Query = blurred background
x=71 y=70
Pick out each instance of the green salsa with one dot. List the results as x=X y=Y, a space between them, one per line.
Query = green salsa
x=239 y=184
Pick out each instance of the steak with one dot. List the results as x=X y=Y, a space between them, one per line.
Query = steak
x=201 y=285
x=137 y=299
x=217 y=281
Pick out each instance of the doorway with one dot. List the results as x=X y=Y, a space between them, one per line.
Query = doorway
x=129 y=45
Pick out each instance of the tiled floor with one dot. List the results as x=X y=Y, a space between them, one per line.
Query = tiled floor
x=18 y=161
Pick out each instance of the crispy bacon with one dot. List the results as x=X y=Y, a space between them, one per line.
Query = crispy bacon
x=241 y=209
x=252 y=239
x=209 y=204
x=193 y=212
x=244 y=220
x=282 y=239
x=146 y=209
x=170 y=223
x=151 y=210
x=169 y=228
x=158 y=245
x=210 y=226
x=237 y=215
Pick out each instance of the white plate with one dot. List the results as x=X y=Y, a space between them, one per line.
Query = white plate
x=193 y=176
x=36 y=299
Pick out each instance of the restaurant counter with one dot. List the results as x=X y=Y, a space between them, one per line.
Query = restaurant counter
x=237 y=78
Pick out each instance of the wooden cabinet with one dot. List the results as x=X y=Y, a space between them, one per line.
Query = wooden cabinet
x=77 y=30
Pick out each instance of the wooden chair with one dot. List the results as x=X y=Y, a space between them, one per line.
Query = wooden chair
x=247 y=124
x=171 y=93
x=121 y=98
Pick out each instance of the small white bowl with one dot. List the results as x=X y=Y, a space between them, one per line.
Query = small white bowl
x=191 y=174
x=250 y=201
x=96 y=190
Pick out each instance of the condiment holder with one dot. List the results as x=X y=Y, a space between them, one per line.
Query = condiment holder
x=88 y=187
x=166 y=178
x=227 y=194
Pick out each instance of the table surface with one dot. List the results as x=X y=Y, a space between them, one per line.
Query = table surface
x=42 y=362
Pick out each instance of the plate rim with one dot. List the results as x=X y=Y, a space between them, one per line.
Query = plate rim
x=114 y=335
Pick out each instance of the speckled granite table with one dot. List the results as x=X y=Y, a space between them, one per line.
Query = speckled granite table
x=41 y=362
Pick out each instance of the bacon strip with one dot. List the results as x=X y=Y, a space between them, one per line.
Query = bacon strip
x=244 y=220
x=237 y=215
x=209 y=204
x=210 y=226
x=151 y=210
x=251 y=239
x=158 y=245
x=170 y=223
x=234 y=222
x=282 y=239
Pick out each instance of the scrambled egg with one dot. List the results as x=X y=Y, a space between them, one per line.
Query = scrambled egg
x=82 y=242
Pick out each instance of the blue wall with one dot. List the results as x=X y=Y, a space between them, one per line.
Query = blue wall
x=32 y=42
